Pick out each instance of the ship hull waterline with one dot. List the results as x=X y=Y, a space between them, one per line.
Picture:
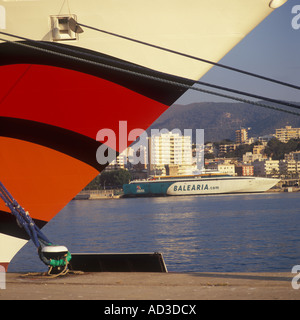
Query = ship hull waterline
x=199 y=187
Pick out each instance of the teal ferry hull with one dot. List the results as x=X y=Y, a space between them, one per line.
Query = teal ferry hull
x=198 y=185
x=147 y=189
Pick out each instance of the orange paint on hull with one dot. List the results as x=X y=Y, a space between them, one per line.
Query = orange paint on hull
x=41 y=179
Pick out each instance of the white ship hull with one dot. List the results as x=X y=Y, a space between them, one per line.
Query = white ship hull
x=203 y=28
x=225 y=185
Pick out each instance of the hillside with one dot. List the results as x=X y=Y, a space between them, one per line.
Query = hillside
x=220 y=120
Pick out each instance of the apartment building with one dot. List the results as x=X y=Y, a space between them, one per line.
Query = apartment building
x=226 y=148
x=118 y=163
x=250 y=157
x=289 y=167
x=266 y=168
x=292 y=156
x=223 y=166
x=227 y=168
x=170 y=149
x=244 y=170
x=287 y=133
x=269 y=168
x=259 y=149
x=241 y=136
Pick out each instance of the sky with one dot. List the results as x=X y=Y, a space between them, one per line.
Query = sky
x=272 y=49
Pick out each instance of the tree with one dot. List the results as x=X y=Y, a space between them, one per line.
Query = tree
x=209 y=156
x=241 y=150
x=223 y=142
x=277 y=149
x=114 y=179
x=94 y=185
x=109 y=180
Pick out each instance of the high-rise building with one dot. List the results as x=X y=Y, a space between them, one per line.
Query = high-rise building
x=170 y=149
x=241 y=136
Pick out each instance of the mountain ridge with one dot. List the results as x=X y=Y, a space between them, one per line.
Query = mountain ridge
x=220 y=120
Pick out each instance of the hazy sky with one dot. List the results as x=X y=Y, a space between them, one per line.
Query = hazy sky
x=272 y=50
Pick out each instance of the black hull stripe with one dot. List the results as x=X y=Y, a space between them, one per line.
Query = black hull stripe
x=165 y=93
x=68 y=142
x=8 y=226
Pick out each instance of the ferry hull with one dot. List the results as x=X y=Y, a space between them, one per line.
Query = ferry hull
x=228 y=185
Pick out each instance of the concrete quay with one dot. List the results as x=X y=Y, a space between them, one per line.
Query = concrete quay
x=152 y=286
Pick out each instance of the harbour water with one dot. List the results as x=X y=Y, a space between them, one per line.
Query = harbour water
x=225 y=233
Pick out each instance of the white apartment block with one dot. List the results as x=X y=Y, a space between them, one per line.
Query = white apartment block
x=293 y=156
x=170 y=149
x=118 y=163
x=226 y=167
x=250 y=157
x=269 y=168
x=287 y=133
x=289 y=167
x=225 y=148
x=266 y=168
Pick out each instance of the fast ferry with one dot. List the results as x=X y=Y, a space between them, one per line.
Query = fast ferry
x=203 y=184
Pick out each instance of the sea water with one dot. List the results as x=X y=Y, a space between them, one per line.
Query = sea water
x=224 y=233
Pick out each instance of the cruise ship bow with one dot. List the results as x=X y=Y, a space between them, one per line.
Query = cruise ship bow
x=60 y=89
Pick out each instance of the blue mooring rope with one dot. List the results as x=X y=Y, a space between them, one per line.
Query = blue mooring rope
x=23 y=218
x=39 y=239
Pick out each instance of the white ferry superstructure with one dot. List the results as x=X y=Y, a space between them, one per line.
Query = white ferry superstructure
x=204 y=184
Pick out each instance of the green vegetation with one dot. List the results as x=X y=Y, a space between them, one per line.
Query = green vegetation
x=110 y=180
x=277 y=149
x=223 y=142
x=241 y=150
